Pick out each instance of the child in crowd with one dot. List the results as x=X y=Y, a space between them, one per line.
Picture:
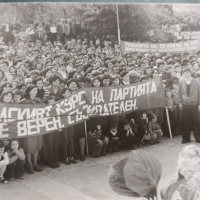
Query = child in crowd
x=128 y=136
x=17 y=96
x=154 y=129
x=142 y=128
x=97 y=142
x=16 y=161
x=114 y=140
x=3 y=162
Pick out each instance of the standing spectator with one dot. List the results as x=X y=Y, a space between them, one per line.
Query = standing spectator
x=32 y=145
x=189 y=92
x=31 y=33
x=40 y=33
x=67 y=137
x=67 y=28
x=61 y=30
x=53 y=33
x=47 y=30
x=79 y=129
x=52 y=142
x=54 y=89
x=6 y=32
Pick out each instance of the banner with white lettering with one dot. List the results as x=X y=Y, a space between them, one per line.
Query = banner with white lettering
x=159 y=47
x=187 y=35
x=25 y=120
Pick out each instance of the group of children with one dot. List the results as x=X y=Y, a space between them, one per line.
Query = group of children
x=130 y=136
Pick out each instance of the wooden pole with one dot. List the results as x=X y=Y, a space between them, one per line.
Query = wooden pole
x=168 y=121
x=119 y=39
x=86 y=138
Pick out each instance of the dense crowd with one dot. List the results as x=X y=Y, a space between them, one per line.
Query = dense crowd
x=35 y=71
x=184 y=23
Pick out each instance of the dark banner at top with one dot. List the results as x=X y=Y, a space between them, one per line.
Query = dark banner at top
x=24 y=120
x=159 y=47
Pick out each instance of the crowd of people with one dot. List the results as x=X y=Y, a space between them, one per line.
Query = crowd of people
x=35 y=71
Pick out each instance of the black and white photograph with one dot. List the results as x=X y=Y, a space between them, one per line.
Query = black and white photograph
x=99 y=101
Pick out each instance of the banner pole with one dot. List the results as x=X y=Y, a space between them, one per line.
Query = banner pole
x=168 y=121
x=118 y=30
x=86 y=138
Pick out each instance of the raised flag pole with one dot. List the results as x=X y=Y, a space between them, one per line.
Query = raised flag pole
x=168 y=121
x=86 y=138
x=118 y=25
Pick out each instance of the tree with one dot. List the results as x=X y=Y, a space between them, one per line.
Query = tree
x=137 y=22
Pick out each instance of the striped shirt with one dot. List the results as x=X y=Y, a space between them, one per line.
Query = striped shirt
x=96 y=135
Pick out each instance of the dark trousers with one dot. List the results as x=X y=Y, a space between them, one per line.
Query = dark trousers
x=62 y=38
x=178 y=120
x=52 y=141
x=190 y=112
x=114 y=144
x=48 y=36
x=139 y=136
x=7 y=37
x=32 y=37
x=128 y=142
x=16 y=168
x=53 y=38
x=67 y=142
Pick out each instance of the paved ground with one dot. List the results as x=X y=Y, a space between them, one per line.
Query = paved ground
x=86 y=180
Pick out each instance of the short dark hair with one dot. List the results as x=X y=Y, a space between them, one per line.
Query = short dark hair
x=106 y=76
x=18 y=92
x=176 y=81
x=4 y=94
x=20 y=86
x=153 y=72
x=186 y=69
x=62 y=81
x=96 y=78
x=65 y=89
x=54 y=78
x=151 y=116
x=12 y=140
x=37 y=79
x=123 y=73
x=72 y=80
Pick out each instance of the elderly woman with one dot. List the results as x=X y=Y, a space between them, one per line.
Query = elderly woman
x=32 y=145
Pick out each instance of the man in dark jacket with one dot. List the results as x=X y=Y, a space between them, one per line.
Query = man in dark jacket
x=189 y=94
x=61 y=30
x=6 y=32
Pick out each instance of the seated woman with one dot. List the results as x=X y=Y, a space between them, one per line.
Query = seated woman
x=154 y=129
x=16 y=161
x=3 y=162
